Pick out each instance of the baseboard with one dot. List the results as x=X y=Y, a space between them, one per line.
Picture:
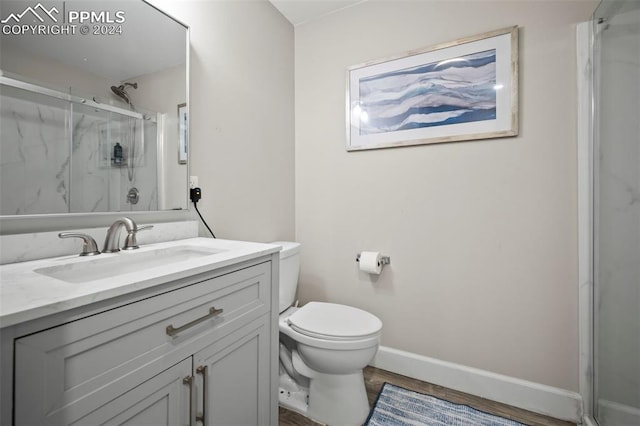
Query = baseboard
x=613 y=413
x=550 y=401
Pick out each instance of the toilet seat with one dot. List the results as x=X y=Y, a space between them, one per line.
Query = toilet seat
x=333 y=321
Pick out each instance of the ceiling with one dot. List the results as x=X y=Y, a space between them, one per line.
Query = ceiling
x=301 y=11
x=149 y=41
x=141 y=48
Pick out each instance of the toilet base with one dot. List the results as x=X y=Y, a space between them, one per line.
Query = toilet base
x=338 y=399
x=292 y=395
x=332 y=399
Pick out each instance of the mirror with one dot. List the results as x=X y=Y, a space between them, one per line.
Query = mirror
x=93 y=108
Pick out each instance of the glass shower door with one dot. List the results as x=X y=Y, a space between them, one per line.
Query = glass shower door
x=617 y=213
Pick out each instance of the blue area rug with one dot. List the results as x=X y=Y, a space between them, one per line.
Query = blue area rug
x=399 y=406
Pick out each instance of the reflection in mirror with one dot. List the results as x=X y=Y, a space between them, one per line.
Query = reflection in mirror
x=89 y=122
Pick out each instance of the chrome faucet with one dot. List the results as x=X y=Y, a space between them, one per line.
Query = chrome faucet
x=89 y=246
x=113 y=233
x=131 y=243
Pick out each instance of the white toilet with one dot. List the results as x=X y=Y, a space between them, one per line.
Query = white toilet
x=323 y=349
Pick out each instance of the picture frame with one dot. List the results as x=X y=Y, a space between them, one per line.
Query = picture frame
x=183 y=134
x=464 y=90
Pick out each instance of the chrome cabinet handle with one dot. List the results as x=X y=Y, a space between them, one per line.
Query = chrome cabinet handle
x=203 y=369
x=213 y=312
x=189 y=380
x=89 y=246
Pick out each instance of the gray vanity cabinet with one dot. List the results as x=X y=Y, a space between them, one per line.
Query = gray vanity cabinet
x=161 y=400
x=231 y=374
x=198 y=353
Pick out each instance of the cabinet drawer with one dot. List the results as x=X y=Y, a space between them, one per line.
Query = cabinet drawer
x=77 y=365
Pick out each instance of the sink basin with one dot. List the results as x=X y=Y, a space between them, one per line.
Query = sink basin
x=123 y=263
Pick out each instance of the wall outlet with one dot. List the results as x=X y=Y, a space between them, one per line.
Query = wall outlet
x=193 y=181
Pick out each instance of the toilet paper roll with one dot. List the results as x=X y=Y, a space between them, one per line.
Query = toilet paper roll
x=370 y=262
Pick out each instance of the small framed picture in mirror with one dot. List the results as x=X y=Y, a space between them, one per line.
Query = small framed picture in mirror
x=183 y=130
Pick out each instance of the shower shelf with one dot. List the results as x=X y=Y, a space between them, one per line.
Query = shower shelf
x=125 y=163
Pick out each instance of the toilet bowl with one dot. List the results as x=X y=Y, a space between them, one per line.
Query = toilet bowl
x=332 y=338
x=323 y=349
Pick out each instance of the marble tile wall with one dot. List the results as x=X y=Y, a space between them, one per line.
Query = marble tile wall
x=50 y=166
x=34 y=154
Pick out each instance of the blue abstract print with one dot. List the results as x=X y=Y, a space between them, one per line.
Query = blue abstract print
x=452 y=91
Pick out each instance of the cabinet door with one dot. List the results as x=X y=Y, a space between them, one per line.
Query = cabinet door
x=233 y=378
x=162 y=400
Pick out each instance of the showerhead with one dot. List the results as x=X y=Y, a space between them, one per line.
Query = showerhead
x=121 y=92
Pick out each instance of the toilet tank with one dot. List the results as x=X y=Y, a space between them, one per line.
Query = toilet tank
x=289 y=270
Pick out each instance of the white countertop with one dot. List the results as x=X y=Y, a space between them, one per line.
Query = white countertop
x=26 y=295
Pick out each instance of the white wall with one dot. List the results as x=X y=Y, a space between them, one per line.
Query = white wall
x=53 y=74
x=241 y=116
x=481 y=235
x=158 y=92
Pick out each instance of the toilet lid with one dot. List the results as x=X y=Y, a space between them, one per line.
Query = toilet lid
x=330 y=320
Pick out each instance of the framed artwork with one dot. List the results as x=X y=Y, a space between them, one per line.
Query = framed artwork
x=183 y=132
x=459 y=91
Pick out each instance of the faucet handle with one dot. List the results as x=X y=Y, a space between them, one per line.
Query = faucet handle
x=130 y=242
x=89 y=246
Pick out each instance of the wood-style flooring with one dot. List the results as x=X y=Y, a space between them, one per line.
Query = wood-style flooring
x=375 y=377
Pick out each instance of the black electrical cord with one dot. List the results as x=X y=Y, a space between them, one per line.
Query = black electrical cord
x=195 y=204
x=195 y=194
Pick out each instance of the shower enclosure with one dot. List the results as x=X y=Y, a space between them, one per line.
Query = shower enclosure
x=610 y=244
x=64 y=153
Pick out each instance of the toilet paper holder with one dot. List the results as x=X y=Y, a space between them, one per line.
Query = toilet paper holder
x=384 y=260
